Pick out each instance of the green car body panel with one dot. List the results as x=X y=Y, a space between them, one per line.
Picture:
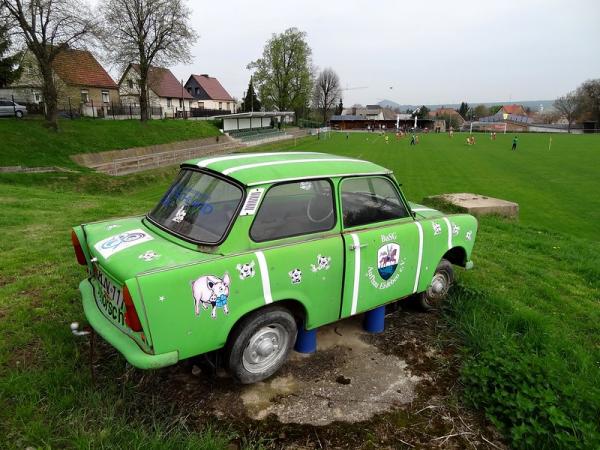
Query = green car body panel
x=325 y=276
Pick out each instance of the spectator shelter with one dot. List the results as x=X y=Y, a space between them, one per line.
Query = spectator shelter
x=254 y=120
x=356 y=122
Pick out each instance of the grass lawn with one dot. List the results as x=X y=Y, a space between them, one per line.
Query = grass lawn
x=528 y=314
x=29 y=143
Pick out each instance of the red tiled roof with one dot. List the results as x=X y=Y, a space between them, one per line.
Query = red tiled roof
x=79 y=67
x=163 y=83
x=213 y=88
x=514 y=109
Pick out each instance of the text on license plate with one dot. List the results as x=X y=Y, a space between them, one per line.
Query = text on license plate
x=111 y=299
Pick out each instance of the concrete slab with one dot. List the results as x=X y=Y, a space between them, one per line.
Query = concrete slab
x=478 y=205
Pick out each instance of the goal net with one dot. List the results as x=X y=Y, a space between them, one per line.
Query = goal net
x=499 y=127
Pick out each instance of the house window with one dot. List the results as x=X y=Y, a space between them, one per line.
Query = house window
x=37 y=97
x=197 y=91
x=168 y=102
x=201 y=105
x=181 y=103
x=130 y=84
x=220 y=105
x=85 y=98
x=105 y=97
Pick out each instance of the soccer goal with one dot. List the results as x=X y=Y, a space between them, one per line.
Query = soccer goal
x=488 y=126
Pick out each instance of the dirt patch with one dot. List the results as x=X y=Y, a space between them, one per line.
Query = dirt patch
x=393 y=390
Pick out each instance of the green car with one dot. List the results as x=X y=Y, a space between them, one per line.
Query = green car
x=245 y=248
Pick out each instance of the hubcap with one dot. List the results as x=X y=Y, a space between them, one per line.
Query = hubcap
x=439 y=286
x=265 y=348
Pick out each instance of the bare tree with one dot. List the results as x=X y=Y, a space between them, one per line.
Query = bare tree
x=47 y=27
x=327 y=91
x=568 y=106
x=149 y=33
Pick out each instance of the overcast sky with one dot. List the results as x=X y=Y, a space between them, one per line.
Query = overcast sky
x=417 y=52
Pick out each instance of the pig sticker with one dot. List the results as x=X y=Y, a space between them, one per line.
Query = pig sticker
x=211 y=291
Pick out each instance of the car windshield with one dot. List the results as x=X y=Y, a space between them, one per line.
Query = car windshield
x=198 y=206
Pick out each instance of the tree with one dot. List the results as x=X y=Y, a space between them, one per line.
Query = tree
x=494 y=109
x=283 y=75
x=423 y=112
x=47 y=27
x=568 y=106
x=9 y=69
x=339 y=108
x=326 y=92
x=589 y=99
x=463 y=110
x=251 y=102
x=481 y=111
x=148 y=33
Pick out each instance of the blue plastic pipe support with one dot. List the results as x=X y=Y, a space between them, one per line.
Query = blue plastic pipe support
x=374 y=320
x=306 y=341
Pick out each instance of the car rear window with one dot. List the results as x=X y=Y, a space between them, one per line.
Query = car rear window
x=198 y=206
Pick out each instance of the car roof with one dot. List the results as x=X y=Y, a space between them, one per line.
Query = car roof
x=253 y=169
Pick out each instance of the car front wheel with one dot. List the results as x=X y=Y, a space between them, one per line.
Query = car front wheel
x=19 y=114
x=260 y=344
x=438 y=288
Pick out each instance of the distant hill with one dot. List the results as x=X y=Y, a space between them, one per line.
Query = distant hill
x=533 y=104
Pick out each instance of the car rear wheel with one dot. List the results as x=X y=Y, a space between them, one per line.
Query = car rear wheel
x=19 y=114
x=260 y=344
x=438 y=288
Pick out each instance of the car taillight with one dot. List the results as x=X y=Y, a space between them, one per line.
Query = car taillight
x=78 y=250
x=131 y=318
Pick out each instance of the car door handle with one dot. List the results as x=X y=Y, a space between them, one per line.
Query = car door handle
x=354 y=247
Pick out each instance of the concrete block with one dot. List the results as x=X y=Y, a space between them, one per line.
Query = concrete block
x=478 y=205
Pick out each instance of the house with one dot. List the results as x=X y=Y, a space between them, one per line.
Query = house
x=164 y=90
x=83 y=84
x=450 y=113
x=369 y=112
x=515 y=110
x=209 y=93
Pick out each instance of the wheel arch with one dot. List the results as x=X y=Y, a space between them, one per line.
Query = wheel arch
x=295 y=307
x=457 y=256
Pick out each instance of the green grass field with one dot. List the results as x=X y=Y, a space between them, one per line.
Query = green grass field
x=528 y=315
x=29 y=143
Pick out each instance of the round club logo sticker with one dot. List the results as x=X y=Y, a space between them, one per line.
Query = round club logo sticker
x=387 y=260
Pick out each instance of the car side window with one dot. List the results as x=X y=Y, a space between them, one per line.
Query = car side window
x=368 y=200
x=294 y=209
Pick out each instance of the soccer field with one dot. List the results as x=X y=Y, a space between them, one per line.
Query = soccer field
x=527 y=318
x=556 y=188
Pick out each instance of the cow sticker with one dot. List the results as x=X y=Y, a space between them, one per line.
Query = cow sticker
x=179 y=215
x=211 y=292
x=322 y=263
x=387 y=260
x=246 y=270
x=114 y=244
x=469 y=235
x=149 y=255
x=437 y=228
x=295 y=276
x=455 y=229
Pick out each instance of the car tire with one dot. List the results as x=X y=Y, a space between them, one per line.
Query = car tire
x=438 y=288
x=19 y=114
x=260 y=344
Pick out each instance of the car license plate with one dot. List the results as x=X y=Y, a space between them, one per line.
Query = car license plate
x=111 y=300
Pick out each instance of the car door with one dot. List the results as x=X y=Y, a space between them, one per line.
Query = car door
x=5 y=108
x=299 y=247
x=381 y=244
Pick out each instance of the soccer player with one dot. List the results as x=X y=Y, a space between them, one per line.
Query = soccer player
x=515 y=142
